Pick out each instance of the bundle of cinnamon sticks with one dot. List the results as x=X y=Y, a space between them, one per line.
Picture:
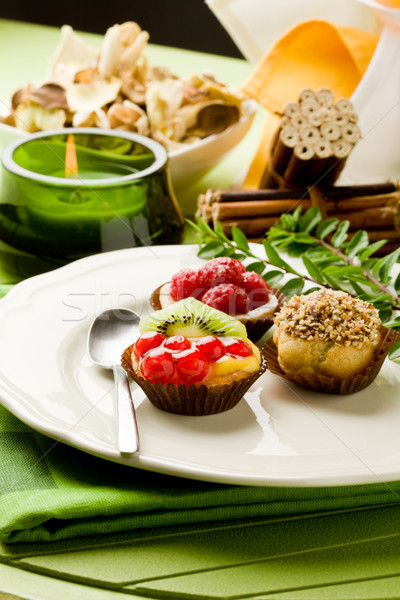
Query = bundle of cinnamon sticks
x=315 y=137
x=375 y=208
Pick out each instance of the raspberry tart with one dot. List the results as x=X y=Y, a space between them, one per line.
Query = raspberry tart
x=192 y=359
x=223 y=283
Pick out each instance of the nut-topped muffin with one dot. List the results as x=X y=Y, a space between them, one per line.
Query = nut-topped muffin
x=329 y=341
x=327 y=332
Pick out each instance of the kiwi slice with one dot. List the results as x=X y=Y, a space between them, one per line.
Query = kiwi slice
x=192 y=318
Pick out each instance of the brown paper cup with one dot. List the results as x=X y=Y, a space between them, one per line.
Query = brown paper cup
x=194 y=400
x=335 y=385
x=255 y=328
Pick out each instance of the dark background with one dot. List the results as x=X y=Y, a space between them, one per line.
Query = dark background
x=181 y=23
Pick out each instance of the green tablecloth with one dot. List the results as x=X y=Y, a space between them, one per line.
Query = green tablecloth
x=110 y=529
x=50 y=492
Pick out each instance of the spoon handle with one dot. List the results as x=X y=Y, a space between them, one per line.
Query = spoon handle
x=128 y=436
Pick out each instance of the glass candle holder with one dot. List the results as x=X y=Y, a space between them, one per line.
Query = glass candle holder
x=120 y=197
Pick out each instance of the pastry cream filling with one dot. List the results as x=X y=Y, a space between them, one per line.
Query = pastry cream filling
x=265 y=310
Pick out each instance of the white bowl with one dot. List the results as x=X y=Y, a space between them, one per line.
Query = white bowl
x=190 y=163
x=195 y=160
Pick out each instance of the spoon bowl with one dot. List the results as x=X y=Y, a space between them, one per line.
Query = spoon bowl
x=110 y=333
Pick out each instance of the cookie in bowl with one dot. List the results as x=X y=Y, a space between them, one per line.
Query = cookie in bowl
x=192 y=359
x=223 y=283
x=329 y=341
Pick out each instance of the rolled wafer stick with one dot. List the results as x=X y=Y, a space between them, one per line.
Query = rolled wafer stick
x=274 y=140
x=315 y=119
x=309 y=134
x=335 y=164
x=345 y=105
x=270 y=180
x=297 y=165
x=340 y=119
x=309 y=107
x=341 y=149
x=326 y=113
x=286 y=141
x=280 y=155
x=352 y=117
x=322 y=150
x=291 y=109
x=312 y=118
x=331 y=131
x=299 y=121
x=285 y=120
x=351 y=133
x=307 y=94
x=325 y=96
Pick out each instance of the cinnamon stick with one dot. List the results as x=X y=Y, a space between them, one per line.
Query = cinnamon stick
x=373 y=194
x=250 y=227
x=383 y=218
x=371 y=219
x=257 y=208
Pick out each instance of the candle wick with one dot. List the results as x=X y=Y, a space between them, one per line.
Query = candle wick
x=71 y=161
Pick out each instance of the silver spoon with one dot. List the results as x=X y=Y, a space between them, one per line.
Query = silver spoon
x=110 y=333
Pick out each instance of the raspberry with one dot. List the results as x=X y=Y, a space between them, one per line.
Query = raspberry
x=257 y=289
x=191 y=366
x=238 y=348
x=147 y=341
x=227 y=297
x=221 y=270
x=211 y=347
x=158 y=366
x=185 y=283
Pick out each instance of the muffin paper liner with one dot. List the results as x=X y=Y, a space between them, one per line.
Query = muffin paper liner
x=335 y=385
x=256 y=327
x=194 y=400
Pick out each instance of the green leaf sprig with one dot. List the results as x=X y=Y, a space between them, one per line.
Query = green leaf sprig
x=330 y=257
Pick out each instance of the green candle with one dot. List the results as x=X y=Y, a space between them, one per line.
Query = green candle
x=121 y=195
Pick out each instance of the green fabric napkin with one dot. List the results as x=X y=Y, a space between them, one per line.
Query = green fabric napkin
x=50 y=491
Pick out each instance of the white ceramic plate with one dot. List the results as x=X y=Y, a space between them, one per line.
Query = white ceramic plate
x=278 y=434
x=190 y=163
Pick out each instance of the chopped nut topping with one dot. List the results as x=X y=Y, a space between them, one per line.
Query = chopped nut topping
x=330 y=315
